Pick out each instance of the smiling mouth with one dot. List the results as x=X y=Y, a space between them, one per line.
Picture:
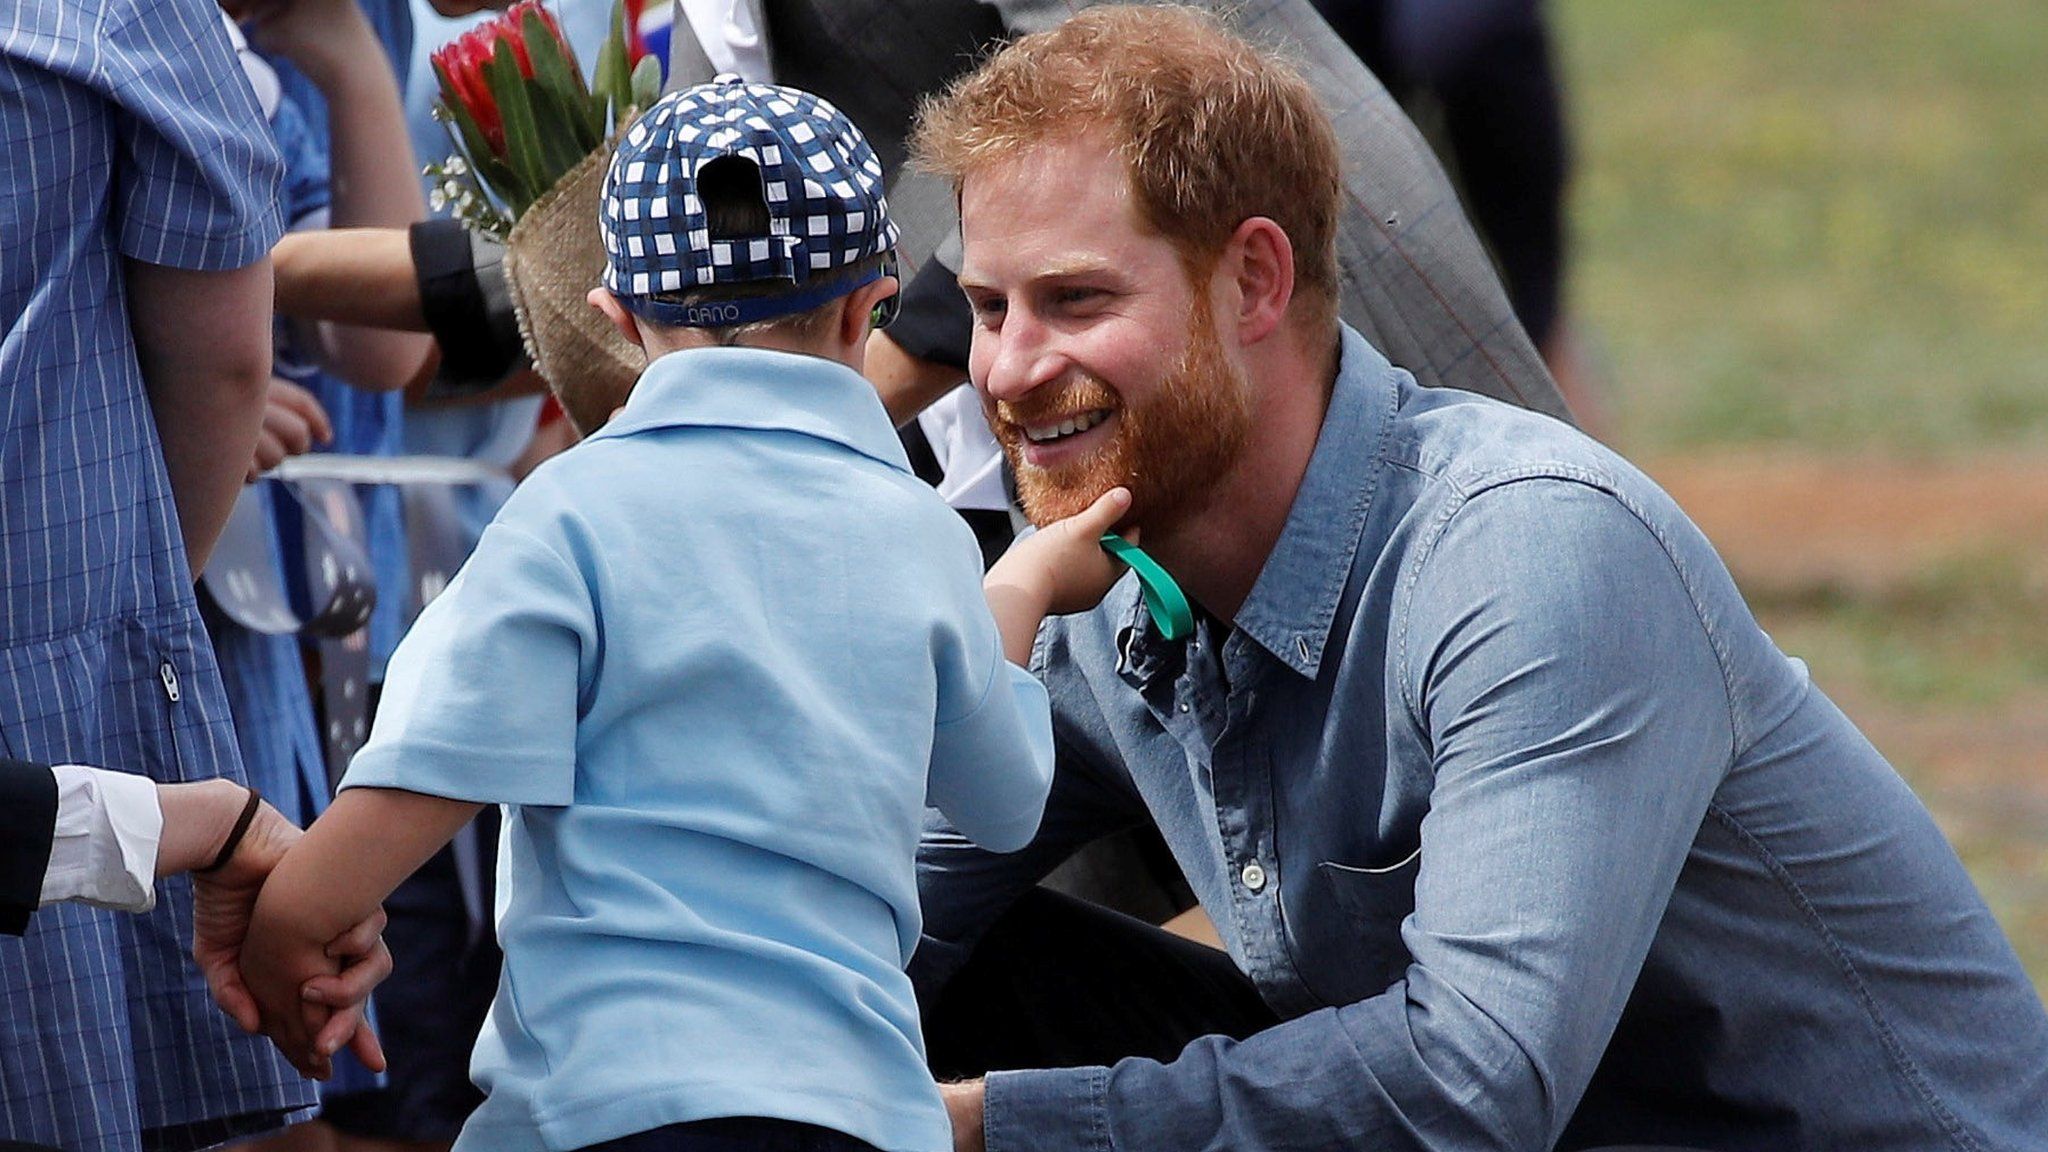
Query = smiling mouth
x=1070 y=426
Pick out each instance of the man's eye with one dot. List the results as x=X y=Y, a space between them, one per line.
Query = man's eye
x=1077 y=295
x=989 y=310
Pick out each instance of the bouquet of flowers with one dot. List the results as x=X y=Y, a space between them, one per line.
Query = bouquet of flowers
x=532 y=142
x=520 y=114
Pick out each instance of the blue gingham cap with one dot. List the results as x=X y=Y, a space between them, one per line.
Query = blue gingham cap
x=823 y=187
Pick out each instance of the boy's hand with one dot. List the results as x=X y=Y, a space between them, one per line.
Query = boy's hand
x=294 y=423
x=276 y=964
x=310 y=1023
x=343 y=998
x=1059 y=569
x=1063 y=564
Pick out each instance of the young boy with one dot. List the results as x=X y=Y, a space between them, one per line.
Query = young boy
x=714 y=661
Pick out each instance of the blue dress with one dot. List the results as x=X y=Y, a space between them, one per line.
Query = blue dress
x=116 y=148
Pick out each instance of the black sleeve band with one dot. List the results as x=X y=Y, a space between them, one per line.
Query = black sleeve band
x=468 y=306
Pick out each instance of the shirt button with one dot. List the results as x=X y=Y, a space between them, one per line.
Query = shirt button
x=1185 y=706
x=1253 y=876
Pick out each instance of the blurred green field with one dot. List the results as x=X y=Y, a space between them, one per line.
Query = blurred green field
x=1822 y=227
x=1812 y=221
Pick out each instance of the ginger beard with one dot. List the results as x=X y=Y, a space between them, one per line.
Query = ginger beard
x=1168 y=448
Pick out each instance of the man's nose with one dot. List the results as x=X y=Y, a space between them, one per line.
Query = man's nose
x=1021 y=359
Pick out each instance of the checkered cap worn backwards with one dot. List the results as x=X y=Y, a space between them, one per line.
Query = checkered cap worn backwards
x=821 y=181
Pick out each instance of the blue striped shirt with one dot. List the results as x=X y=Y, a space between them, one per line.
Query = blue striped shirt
x=127 y=130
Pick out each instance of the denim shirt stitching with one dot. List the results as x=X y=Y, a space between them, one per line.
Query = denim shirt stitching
x=1098 y=1092
x=1315 y=589
x=1409 y=580
x=1948 y=1120
x=1737 y=720
x=1464 y=492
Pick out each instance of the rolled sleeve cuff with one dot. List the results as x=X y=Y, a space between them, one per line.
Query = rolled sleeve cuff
x=1059 y=1108
x=104 y=849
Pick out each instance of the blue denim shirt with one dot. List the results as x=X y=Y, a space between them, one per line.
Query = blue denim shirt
x=1526 y=830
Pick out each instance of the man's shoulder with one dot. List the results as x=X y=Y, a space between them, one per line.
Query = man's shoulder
x=1457 y=445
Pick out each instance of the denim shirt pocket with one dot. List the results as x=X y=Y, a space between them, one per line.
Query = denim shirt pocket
x=1373 y=902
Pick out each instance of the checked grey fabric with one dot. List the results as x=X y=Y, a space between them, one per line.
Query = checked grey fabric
x=821 y=181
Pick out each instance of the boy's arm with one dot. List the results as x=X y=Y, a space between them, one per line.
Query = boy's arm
x=359 y=276
x=372 y=179
x=992 y=762
x=334 y=878
x=1059 y=569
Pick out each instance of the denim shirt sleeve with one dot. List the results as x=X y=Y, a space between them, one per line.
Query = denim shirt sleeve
x=1554 y=662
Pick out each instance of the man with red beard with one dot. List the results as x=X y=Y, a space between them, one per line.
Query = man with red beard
x=1516 y=829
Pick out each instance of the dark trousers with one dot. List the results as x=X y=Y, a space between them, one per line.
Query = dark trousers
x=1059 y=983
x=735 y=1134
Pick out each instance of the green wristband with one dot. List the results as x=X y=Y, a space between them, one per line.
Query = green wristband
x=1163 y=598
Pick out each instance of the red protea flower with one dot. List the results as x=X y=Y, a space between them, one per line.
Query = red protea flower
x=520 y=111
x=514 y=22
x=459 y=65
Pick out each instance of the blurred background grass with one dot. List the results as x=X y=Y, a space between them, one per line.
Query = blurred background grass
x=1818 y=230
x=1815 y=222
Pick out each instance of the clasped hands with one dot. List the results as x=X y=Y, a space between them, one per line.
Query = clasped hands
x=308 y=998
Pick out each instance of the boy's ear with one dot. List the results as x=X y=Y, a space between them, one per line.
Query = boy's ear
x=622 y=319
x=858 y=309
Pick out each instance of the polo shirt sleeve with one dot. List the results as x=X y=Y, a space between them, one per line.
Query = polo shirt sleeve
x=482 y=697
x=992 y=755
x=196 y=186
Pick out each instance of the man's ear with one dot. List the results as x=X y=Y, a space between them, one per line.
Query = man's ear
x=622 y=319
x=1259 y=262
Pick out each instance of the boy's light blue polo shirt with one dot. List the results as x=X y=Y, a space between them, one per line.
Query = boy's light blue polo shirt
x=716 y=660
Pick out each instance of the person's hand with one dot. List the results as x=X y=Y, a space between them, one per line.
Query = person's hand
x=964 y=1108
x=316 y=35
x=344 y=997
x=1062 y=567
x=275 y=963
x=294 y=423
x=308 y=1024
x=222 y=902
x=1058 y=569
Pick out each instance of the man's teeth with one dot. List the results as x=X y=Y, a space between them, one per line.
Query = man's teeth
x=1067 y=427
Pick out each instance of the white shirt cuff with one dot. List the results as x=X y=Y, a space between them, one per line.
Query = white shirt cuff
x=103 y=851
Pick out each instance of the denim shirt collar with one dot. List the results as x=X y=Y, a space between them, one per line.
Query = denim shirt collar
x=756 y=388
x=1294 y=602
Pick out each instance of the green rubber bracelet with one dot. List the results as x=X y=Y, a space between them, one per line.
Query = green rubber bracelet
x=1163 y=598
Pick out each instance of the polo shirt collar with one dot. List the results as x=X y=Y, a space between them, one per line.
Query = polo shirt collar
x=1294 y=602
x=757 y=388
